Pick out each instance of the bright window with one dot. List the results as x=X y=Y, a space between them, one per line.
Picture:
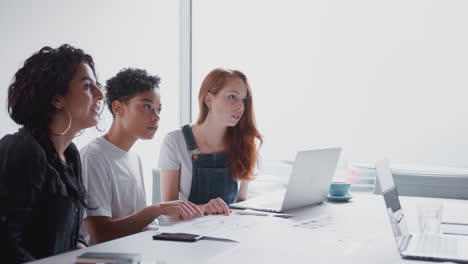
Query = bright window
x=379 y=78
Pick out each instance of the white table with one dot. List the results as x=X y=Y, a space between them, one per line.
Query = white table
x=359 y=233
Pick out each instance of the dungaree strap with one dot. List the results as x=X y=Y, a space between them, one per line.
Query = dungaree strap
x=189 y=139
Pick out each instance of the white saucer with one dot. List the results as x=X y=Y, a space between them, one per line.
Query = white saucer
x=339 y=198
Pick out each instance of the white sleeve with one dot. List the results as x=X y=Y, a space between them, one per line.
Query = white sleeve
x=168 y=158
x=97 y=181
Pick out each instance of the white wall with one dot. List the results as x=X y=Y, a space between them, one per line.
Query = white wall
x=118 y=34
x=379 y=78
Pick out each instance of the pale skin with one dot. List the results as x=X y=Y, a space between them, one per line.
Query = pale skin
x=136 y=119
x=83 y=103
x=226 y=109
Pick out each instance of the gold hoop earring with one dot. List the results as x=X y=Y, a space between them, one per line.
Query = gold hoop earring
x=68 y=127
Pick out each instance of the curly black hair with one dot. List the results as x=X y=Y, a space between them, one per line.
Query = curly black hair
x=44 y=75
x=128 y=83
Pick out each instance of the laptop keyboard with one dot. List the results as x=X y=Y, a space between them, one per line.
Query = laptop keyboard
x=437 y=245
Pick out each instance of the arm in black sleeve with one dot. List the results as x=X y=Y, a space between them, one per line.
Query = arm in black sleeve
x=22 y=170
x=78 y=174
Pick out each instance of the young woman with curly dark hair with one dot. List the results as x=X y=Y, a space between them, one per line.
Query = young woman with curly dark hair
x=211 y=162
x=53 y=96
x=113 y=173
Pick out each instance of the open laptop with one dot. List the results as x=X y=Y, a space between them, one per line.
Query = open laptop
x=310 y=179
x=417 y=246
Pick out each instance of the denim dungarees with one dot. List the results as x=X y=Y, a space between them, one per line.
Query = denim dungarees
x=211 y=178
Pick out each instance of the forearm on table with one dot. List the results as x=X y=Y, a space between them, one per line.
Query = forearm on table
x=116 y=228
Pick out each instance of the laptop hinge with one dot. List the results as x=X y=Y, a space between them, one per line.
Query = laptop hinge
x=405 y=242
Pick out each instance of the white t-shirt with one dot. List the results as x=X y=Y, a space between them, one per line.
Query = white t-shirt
x=113 y=179
x=175 y=155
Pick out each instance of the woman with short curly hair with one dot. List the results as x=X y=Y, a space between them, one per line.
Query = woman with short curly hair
x=53 y=96
x=113 y=173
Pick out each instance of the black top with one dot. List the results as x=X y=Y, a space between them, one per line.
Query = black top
x=38 y=217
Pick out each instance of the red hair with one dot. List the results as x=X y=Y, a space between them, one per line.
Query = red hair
x=240 y=139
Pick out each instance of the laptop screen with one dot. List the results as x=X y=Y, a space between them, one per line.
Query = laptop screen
x=390 y=195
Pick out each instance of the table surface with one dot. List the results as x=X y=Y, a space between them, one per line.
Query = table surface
x=355 y=232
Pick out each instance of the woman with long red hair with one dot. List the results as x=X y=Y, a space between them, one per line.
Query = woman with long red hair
x=211 y=162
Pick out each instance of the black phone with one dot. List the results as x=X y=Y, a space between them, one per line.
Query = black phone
x=184 y=237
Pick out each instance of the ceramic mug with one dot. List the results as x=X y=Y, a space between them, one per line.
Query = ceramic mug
x=339 y=189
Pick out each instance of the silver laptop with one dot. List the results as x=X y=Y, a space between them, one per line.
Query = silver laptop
x=417 y=246
x=310 y=179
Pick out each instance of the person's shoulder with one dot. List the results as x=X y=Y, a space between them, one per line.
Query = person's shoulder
x=23 y=146
x=175 y=134
x=95 y=145
x=135 y=156
x=94 y=150
x=174 y=137
x=22 y=160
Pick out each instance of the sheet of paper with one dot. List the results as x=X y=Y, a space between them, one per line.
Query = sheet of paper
x=455 y=213
x=454 y=229
x=260 y=213
x=234 y=226
x=315 y=222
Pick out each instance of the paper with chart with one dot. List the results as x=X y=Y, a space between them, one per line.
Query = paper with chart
x=234 y=227
x=315 y=222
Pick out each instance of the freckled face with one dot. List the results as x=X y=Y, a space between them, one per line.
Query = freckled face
x=228 y=105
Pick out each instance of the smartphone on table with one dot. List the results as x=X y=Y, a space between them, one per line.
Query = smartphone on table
x=184 y=237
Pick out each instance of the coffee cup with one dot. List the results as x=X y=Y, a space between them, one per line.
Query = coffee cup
x=339 y=189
